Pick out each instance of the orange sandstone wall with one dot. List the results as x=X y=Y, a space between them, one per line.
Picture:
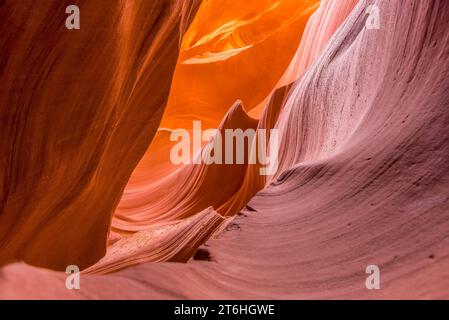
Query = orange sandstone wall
x=78 y=110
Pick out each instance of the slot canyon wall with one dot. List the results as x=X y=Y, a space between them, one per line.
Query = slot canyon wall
x=79 y=109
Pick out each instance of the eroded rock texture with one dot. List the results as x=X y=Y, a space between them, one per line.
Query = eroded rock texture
x=78 y=110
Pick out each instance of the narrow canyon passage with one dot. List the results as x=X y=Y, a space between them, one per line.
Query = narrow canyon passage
x=362 y=175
